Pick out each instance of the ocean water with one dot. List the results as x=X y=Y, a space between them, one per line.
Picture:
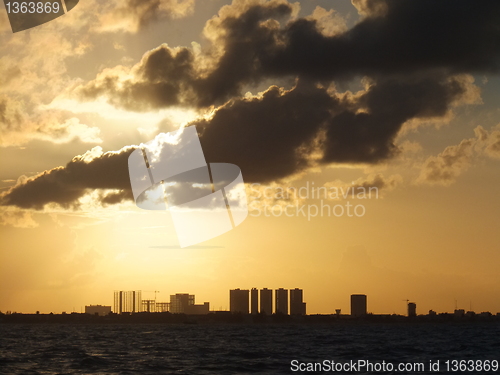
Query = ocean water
x=236 y=349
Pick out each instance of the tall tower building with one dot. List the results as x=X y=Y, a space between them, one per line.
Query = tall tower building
x=238 y=300
x=297 y=305
x=254 y=301
x=127 y=301
x=412 y=309
x=266 y=301
x=358 y=305
x=281 y=302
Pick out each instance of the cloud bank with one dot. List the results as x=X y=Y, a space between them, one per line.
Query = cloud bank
x=251 y=41
x=416 y=59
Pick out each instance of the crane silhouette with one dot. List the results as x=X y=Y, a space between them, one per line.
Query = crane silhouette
x=152 y=291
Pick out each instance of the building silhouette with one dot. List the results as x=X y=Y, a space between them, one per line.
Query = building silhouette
x=358 y=305
x=254 y=301
x=297 y=304
x=98 y=310
x=412 y=309
x=238 y=301
x=200 y=309
x=162 y=306
x=281 y=300
x=127 y=301
x=179 y=302
x=148 y=305
x=183 y=303
x=266 y=301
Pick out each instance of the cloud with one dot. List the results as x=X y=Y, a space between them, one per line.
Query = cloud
x=17 y=127
x=379 y=181
x=11 y=115
x=32 y=71
x=490 y=141
x=273 y=136
x=251 y=41
x=493 y=148
x=371 y=8
x=270 y=137
x=413 y=73
x=263 y=135
x=328 y=22
x=396 y=37
x=168 y=76
x=367 y=135
x=415 y=57
x=163 y=78
x=17 y=218
x=134 y=15
x=64 y=186
x=38 y=65
x=445 y=168
x=365 y=184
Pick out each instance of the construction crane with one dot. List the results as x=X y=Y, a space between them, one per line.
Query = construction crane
x=152 y=291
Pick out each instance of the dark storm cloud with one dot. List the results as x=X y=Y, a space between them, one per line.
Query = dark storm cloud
x=164 y=78
x=411 y=51
x=406 y=37
x=245 y=38
x=367 y=136
x=173 y=76
x=410 y=36
x=116 y=197
x=263 y=135
x=65 y=185
x=269 y=138
x=265 y=153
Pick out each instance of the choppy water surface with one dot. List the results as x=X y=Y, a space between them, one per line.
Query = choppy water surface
x=231 y=349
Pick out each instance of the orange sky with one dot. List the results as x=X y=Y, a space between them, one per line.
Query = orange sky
x=430 y=237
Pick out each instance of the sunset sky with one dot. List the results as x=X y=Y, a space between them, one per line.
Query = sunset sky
x=397 y=95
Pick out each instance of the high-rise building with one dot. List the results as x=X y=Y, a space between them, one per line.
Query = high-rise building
x=297 y=305
x=254 y=301
x=127 y=301
x=412 y=309
x=358 y=305
x=179 y=302
x=266 y=301
x=238 y=300
x=281 y=300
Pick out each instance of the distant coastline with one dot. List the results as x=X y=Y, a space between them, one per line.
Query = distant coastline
x=225 y=317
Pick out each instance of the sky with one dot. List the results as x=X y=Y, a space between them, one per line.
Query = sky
x=399 y=97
